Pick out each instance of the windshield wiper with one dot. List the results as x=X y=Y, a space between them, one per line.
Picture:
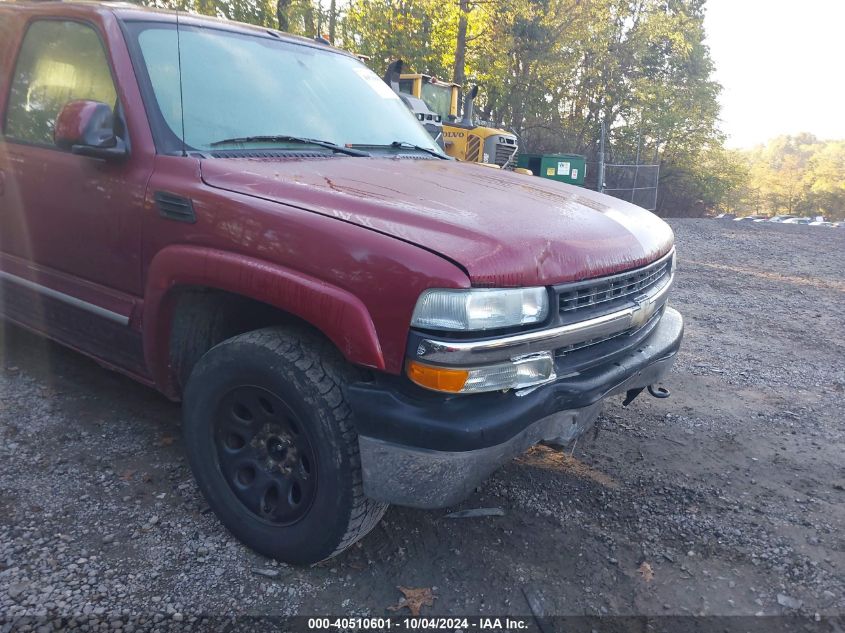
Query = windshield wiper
x=407 y=145
x=419 y=148
x=290 y=139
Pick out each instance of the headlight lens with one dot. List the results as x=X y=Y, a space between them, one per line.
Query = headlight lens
x=516 y=374
x=480 y=308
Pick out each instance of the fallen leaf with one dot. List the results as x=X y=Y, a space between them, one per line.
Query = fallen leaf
x=127 y=475
x=167 y=440
x=550 y=459
x=646 y=571
x=414 y=599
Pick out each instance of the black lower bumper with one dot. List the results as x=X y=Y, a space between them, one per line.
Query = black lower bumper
x=429 y=450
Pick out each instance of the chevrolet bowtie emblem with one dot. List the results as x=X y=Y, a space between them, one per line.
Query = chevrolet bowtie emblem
x=642 y=312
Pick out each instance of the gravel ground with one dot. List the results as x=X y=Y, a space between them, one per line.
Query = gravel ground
x=725 y=499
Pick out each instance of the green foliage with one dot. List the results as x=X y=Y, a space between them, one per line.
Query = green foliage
x=302 y=15
x=711 y=181
x=420 y=32
x=553 y=70
x=798 y=175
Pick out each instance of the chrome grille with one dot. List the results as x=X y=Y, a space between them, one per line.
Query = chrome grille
x=593 y=341
x=619 y=288
x=503 y=154
x=561 y=351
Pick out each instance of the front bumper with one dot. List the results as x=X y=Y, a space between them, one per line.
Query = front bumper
x=431 y=451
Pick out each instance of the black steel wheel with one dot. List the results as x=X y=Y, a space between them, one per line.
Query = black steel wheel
x=265 y=454
x=271 y=442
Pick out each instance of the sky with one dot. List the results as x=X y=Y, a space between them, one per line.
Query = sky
x=782 y=67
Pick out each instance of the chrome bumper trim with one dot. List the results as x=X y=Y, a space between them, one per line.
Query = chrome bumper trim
x=469 y=353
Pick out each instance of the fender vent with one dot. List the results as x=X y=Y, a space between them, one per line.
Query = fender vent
x=175 y=207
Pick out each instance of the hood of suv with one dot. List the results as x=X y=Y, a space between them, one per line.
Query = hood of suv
x=504 y=229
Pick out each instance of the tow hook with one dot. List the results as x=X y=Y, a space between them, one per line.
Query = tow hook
x=655 y=390
x=659 y=392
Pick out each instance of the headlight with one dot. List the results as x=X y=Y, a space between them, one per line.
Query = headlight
x=480 y=308
x=516 y=374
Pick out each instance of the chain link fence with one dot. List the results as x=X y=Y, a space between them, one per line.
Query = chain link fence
x=634 y=183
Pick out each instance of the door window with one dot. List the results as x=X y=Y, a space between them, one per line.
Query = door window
x=59 y=62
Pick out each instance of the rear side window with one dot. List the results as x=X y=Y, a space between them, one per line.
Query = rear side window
x=59 y=62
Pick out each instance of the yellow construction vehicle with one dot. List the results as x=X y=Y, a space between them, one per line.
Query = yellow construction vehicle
x=463 y=138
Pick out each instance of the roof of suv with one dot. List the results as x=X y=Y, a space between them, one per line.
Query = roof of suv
x=132 y=12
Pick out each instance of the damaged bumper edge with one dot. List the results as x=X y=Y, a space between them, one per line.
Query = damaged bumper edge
x=433 y=453
x=424 y=478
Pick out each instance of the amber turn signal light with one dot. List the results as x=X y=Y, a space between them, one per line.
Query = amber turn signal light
x=437 y=378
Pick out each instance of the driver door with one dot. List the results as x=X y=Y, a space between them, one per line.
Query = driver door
x=70 y=226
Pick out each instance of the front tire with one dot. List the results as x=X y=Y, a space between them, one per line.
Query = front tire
x=270 y=439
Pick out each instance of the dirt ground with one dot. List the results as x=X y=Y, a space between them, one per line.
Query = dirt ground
x=727 y=498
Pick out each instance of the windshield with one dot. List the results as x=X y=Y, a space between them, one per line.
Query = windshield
x=438 y=98
x=237 y=86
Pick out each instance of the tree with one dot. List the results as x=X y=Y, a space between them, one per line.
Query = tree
x=332 y=20
x=825 y=180
x=282 y=8
x=554 y=70
x=420 y=32
x=459 y=72
x=796 y=175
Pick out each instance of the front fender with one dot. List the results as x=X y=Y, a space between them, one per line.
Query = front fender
x=337 y=313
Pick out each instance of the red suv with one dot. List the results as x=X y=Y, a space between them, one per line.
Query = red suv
x=254 y=224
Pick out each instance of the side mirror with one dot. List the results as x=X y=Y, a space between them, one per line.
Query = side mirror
x=87 y=128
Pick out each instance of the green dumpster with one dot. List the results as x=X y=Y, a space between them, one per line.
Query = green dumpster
x=569 y=168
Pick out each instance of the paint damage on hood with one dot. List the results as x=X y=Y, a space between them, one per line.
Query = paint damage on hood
x=504 y=229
